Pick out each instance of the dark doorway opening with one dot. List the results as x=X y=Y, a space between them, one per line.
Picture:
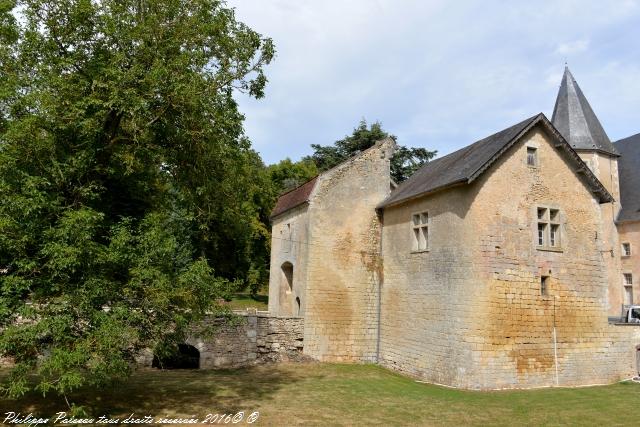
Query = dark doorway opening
x=287 y=273
x=184 y=357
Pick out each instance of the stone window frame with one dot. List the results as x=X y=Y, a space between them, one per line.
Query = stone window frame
x=627 y=278
x=544 y=285
x=552 y=219
x=420 y=227
x=534 y=147
x=626 y=249
x=532 y=157
x=626 y=286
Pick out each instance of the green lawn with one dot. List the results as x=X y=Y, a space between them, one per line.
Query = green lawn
x=332 y=395
x=242 y=301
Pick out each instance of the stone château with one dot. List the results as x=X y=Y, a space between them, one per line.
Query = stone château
x=499 y=265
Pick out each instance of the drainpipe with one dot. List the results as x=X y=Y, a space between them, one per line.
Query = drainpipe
x=380 y=280
x=555 y=341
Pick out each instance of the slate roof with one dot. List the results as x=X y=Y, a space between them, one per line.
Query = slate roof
x=465 y=165
x=575 y=119
x=629 y=172
x=295 y=197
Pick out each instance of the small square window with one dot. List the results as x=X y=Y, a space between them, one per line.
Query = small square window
x=532 y=156
x=553 y=213
x=626 y=249
x=542 y=213
x=544 y=288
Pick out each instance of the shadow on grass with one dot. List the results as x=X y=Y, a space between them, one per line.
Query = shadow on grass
x=167 y=393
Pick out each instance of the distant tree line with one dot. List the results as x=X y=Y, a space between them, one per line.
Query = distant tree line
x=287 y=174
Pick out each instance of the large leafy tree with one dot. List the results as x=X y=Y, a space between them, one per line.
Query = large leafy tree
x=403 y=164
x=129 y=195
x=286 y=175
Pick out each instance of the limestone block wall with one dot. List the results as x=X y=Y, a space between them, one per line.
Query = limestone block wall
x=257 y=338
x=290 y=233
x=514 y=330
x=344 y=269
x=605 y=167
x=425 y=308
x=470 y=313
x=629 y=232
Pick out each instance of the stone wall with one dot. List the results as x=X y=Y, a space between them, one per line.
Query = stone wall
x=344 y=269
x=605 y=167
x=290 y=234
x=257 y=338
x=469 y=312
x=513 y=337
x=630 y=233
x=425 y=303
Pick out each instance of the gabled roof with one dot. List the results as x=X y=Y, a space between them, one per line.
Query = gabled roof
x=467 y=164
x=294 y=198
x=575 y=119
x=302 y=194
x=629 y=172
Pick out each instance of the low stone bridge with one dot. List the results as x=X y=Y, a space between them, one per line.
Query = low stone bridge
x=257 y=338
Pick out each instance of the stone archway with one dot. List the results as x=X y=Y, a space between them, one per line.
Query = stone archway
x=287 y=276
x=185 y=357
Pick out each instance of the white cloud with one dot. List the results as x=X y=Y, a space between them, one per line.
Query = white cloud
x=437 y=74
x=575 y=46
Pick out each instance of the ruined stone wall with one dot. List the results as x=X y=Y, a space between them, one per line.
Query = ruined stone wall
x=257 y=338
x=290 y=233
x=605 y=167
x=629 y=232
x=476 y=318
x=341 y=319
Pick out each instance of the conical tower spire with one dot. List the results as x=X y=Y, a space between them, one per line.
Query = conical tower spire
x=576 y=121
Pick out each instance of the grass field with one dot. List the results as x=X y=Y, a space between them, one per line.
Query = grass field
x=242 y=301
x=342 y=395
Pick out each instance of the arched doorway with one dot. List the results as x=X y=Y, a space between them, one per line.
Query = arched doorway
x=185 y=356
x=287 y=276
x=286 y=289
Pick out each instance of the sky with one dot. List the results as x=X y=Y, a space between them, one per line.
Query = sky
x=437 y=74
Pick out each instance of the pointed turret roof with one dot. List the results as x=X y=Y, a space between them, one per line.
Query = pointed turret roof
x=576 y=121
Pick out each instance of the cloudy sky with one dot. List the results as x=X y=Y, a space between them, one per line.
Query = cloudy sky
x=437 y=74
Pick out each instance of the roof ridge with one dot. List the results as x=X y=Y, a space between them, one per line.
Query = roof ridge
x=466 y=164
x=627 y=139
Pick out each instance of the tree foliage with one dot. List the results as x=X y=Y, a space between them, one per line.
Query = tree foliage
x=403 y=164
x=130 y=198
x=286 y=175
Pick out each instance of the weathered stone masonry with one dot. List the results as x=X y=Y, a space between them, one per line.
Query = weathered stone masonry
x=257 y=338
